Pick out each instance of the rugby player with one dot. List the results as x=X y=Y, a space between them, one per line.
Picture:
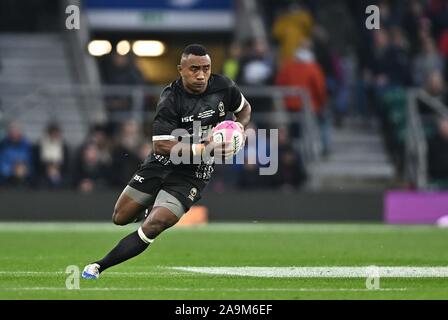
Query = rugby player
x=171 y=189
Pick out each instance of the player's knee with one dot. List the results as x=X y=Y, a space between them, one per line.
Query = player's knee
x=119 y=218
x=157 y=225
x=169 y=220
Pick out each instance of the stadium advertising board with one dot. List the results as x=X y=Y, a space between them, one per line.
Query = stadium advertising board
x=173 y=15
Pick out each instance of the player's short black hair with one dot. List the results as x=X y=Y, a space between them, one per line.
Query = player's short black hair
x=195 y=49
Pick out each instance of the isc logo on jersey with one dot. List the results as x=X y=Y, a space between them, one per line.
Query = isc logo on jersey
x=138 y=178
x=188 y=119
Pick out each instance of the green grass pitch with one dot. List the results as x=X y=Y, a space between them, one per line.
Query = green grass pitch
x=34 y=258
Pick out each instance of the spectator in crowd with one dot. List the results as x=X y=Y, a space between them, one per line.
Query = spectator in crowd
x=257 y=68
x=21 y=176
x=2 y=122
x=376 y=74
x=388 y=68
x=438 y=152
x=53 y=176
x=231 y=66
x=99 y=135
x=304 y=72
x=338 y=70
x=291 y=170
x=342 y=104
x=416 y=24
x=389 y=65
x=443 y=48
x=435 y=87
x=399 y=54
x=291 y=28
x=324 y=55
x=2 y=116
x=248 y=174
x=15 y=157
x=52 y=158
x=125 y=154
x=90 y=173
x=93 y=160
x=438 y=13
x=437 y=142
x=388 y=14
x=427 y=61
x=121 y=70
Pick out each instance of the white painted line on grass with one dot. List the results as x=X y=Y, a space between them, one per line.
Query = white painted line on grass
x=203 y=289
x=322 y=272
x=31 y=273
x=108 y=273
x=267 y=272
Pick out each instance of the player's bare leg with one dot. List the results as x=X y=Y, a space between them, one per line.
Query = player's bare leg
x=126 y=210
x=158 y=220
x=165 y=213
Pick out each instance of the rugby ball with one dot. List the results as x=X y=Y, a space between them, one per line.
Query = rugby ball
x=229 y=132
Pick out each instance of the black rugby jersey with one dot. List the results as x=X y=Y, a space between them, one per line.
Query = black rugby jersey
x=178 y=109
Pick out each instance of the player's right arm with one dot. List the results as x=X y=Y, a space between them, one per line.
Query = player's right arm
x=164 y=148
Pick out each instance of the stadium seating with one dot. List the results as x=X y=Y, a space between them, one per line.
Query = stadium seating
x=35 y=85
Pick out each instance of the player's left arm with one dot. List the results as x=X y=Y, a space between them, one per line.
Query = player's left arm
x=239 y=106
x=243 y=116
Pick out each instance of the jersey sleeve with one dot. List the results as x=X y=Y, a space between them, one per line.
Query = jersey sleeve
x=166 y=119
x=235 y=99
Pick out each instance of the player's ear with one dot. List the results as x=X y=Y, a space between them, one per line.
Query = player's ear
x=179 y=68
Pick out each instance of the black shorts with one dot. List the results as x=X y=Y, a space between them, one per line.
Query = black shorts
x=150 y=178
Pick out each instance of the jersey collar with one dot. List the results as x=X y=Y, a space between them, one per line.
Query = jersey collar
x=213 y=85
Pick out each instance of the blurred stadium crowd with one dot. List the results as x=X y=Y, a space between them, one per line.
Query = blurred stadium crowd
x=347 y=69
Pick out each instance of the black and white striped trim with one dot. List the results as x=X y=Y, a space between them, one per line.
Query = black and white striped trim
x=163 y=138
x=142 y=236
x=243 y=100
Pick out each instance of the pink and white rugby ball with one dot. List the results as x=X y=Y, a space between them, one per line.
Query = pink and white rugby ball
x=230 y=132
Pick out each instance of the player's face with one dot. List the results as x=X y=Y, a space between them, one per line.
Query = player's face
x=195 y=72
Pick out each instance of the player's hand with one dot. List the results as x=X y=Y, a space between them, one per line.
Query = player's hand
x=244 y=133
x=225 y=149
x=218 y=149
x=221 y=149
